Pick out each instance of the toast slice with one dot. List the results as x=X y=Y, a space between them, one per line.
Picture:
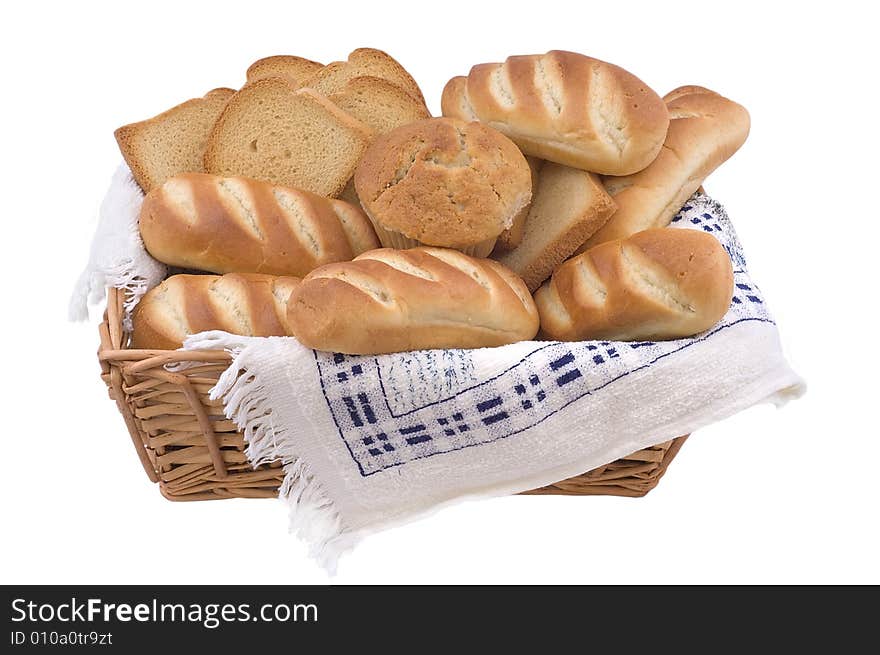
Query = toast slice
x=291 y=137
x=379 y=103
x=293 y=69
x=363 y=62
x=568 y=206
x=349 y=194
x=512 y=236
x=173 y=142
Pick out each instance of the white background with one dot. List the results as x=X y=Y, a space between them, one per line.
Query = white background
x=770 y=495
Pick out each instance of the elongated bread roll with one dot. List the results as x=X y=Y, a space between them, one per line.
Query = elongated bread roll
x=247 y=304
x=566 y=108
x=239 y=225
x=658 y=284
x=705 y=130
x=396 y=300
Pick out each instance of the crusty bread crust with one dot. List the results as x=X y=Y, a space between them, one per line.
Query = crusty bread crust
x=246 y=304
x=566 y=108
x=705 y=130
x=379 y=103
x=443 y=182
x=393 y=301
x=658 y=284
x=454 y=101
x=293 y=69
x=293 y=137
x=172 y=142
x=568 y=206
x=236 y=224
x=363 y=62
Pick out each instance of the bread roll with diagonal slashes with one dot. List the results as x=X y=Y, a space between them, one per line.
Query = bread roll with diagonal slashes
x=705 y=130
x=238 y=225
x=248 y=304
x=664 y=283
x=566 y=108
x=389 y=301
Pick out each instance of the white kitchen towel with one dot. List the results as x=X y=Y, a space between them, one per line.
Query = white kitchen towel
x=369 y=442
x=117 y=257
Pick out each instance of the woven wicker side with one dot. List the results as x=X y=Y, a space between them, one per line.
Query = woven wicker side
x=186 y=444
x=181 y=436
x=632 y=476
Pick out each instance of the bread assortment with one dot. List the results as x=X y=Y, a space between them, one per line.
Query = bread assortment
x=553 y=174
x=443 y=182
x=395 y=300
x=252 y=305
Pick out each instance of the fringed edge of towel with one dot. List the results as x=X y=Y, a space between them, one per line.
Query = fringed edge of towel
x=136 y=272
x=91 y=289
x=244 y=393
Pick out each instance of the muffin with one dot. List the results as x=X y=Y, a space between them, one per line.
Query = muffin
x=443 y=182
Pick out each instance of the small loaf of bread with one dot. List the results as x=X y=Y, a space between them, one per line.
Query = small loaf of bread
x=239 y=225
x=664 y=283
x=705 y=130
x=566 y=108
x=247 y=304
x=397 y=300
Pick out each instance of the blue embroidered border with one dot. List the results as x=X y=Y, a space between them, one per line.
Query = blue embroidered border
x=542 y=383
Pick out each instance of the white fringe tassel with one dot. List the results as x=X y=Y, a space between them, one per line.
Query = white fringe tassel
x=117 y=257
x=245 y=396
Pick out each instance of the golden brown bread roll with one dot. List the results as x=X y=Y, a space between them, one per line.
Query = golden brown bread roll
x=239 y=225
x=397 y=300
x=247 y=304
x=565 y=107
x=705 y=130
x=658 y=284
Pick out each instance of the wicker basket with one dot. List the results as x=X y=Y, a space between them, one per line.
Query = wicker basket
x=186 y=444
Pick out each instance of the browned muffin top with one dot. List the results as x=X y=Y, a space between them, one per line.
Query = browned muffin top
x=443 y=181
